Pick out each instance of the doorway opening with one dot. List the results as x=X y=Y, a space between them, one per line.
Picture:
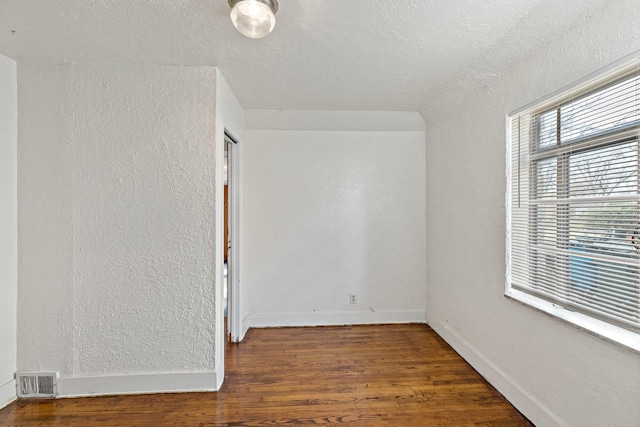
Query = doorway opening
x=230 y=256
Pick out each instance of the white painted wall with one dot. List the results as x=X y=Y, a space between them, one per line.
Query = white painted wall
x=229 y=116
x=116 y=226
x=8 y=228
x=555 y=374
x=332 y=212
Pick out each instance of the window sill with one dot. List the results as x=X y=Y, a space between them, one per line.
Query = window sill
x=619 y=336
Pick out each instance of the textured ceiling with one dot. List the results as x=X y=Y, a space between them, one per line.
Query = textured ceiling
x=413 y=55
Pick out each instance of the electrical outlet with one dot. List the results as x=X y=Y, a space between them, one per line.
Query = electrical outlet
x=352 y=298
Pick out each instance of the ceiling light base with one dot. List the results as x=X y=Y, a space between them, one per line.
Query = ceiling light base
x=272 y=4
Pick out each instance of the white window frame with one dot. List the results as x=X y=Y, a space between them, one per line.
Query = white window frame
x=627 y=338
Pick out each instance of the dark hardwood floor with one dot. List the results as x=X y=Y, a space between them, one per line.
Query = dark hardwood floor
x=382 y=375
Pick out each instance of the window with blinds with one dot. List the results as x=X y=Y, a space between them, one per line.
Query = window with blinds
x=574 y=203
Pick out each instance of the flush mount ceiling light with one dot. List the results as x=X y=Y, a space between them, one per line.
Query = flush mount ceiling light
x=254 y=18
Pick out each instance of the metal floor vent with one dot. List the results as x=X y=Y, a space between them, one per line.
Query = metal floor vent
x=37 y=384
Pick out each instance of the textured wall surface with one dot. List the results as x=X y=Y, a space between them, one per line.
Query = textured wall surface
x=116 y=213
x=8 y=223
x=333 y=213
x=568 y=376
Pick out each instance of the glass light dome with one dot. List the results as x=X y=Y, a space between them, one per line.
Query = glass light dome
x=254 y=18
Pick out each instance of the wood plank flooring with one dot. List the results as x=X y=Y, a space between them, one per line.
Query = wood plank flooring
x=381 y=375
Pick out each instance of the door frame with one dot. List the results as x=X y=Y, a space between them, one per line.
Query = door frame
x=233 y=279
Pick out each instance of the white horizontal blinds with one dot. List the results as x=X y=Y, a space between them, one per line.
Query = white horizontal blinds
x=575 y=223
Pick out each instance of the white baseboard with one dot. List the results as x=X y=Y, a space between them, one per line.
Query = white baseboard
x=245 y=327
x=334 y=318
x=219 y=372
x=7 y=393
x=138 y=384
x=530 y=407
